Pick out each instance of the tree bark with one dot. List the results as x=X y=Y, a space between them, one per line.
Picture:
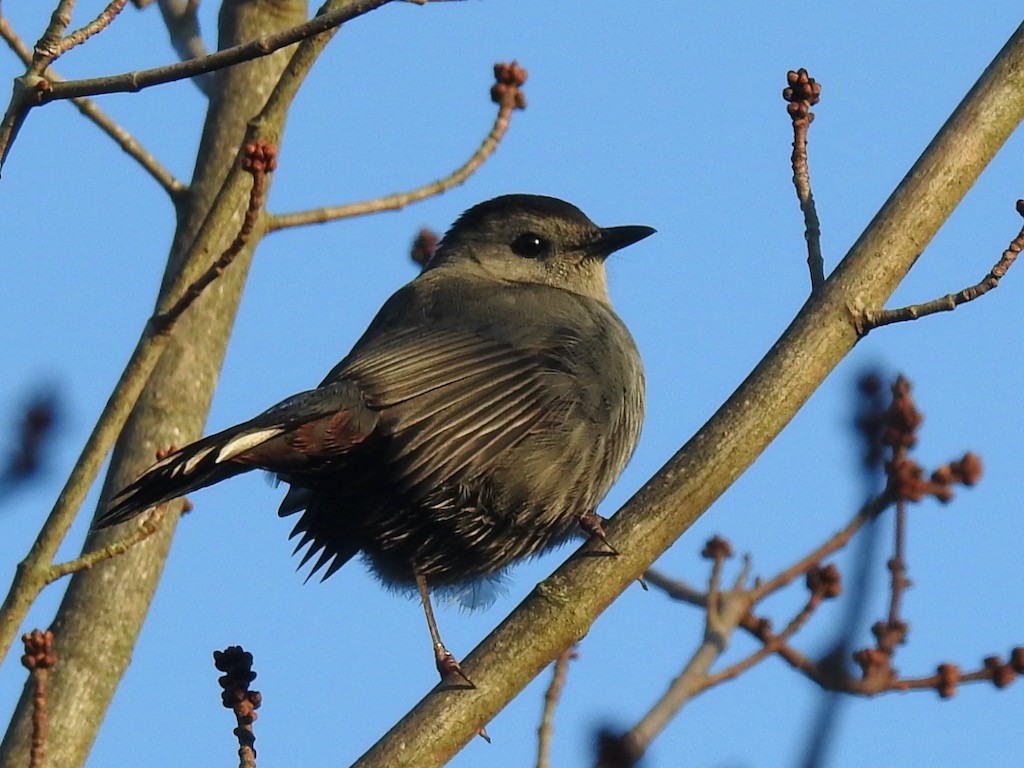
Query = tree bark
x=99 y=619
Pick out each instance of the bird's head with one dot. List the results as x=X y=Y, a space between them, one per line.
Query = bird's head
x=534 y=239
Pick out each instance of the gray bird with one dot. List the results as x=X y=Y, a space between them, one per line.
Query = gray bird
x=479 y=420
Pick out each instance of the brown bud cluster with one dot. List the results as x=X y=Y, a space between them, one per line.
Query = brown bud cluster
x=949 y=676
x=39 y=652
x=236 y=664
x=717 y=548
x=509 y=78
x=260 y=157
x=802 y=93
x=875 y=666
x=889 y=634
x=824 y=581
x=967 y=471
x=424 y=246
x=902 y=418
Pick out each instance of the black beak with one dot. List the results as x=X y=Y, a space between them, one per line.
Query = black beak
x=616 y=238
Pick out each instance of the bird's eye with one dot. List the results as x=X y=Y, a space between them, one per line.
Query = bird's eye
x=529 y=245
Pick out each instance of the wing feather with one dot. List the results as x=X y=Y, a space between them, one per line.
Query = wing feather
x=452 y=401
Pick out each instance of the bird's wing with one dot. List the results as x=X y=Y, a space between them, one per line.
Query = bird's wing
x=451 y=400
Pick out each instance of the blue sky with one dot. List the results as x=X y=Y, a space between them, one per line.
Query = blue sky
x=655 y=113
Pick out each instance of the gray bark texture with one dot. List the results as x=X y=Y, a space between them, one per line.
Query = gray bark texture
x=99 y=619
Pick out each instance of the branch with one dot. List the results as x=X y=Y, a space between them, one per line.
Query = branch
x=562 y=608
x=31 y=90
x=874 y=318
x=801 y=94
x=834 y=543
x=551 y=697
x=148 y=528
x=88 y=108
x=35 y=572
x=260 y=159
x=98 y=24
x=505 y=93
x=48 y=46
x=254 y=49
x=825 y=585
x=723 y=614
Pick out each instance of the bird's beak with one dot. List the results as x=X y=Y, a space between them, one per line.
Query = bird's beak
x=616 y=238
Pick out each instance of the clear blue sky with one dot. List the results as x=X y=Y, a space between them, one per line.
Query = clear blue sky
x=640 y=113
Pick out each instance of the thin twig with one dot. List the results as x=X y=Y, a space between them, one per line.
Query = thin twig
x=869 y=319
x=674 y=588
x=771 y=642
x=802 y=93
x=506 y=93
x=729 y=609
x=47 y=48
x=551 y=697
x=101 y=22
x=90 y=110
x=835 y=542
x=260 y=159
x=148 y=527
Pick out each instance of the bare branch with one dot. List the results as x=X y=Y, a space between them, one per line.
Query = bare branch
x=724 y=614
x=675 y=588
x=802 y=93
x=874 y=318
x=772 y=642
x=835 y=542
x=260 y=158
x=551 y=697
x=136 y=81
x=148 y=527
x=506 y=93
x=31 y=574
x=98 y=24
x=32 y=90
x=90 y=110
x=48 y=46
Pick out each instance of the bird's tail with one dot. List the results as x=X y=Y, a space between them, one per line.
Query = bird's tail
x=195 y=466
x=301 y=433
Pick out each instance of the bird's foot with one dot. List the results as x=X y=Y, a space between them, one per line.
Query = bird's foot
x=591 y=523
x=450 y=669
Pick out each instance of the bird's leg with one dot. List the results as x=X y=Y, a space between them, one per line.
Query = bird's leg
x=447 y=666
x=591 y=522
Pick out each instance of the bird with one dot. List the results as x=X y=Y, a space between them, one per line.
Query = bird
x=479 y=420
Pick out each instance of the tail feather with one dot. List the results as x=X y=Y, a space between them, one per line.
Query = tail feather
x=302 y=433
x=195 y=466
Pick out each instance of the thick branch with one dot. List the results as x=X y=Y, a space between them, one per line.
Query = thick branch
x=562 y=608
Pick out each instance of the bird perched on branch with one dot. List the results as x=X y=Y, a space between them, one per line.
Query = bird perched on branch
x=479 y=420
